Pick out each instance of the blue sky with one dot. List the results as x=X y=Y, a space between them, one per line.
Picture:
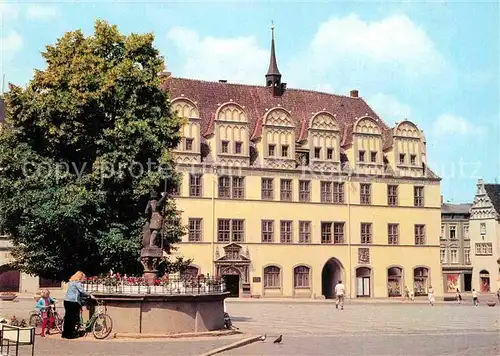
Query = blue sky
x=435 y=63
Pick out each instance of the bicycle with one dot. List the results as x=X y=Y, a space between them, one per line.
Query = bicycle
x=100 y=322
x=36 y=320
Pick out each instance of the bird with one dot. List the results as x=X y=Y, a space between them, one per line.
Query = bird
x=263 y=337
x=278 y=340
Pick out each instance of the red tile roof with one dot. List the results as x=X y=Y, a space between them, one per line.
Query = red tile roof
x=303 y=104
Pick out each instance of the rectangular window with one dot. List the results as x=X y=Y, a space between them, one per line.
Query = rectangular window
x=238 y=231
x=326 y=192
x=393 y=231
x=326 y=232
x=285 y=231
x=392 y=195
x=270 y=150
x=286 y=189
x=188 y=144
x=194 y=234
x=317 y=152
x=329 y=154
x=267 y=230
x=361 y=156
x=366 y=233
x=225 y=187
x=301 y=277
x=373 y=157
x=443 y=232
x=338 y=193
x=467 y=256
x=267 y=189
x=304 y=232
x=195 y=185
x=223 y=230
x=365 y=193
x=442 y=255
x=453 y=232
x=402 y=158
x=482 y=228
x=284 y=151
x=224 y=148
x=418 y=193
x=466 y=232
x=413 y=160
x=238 y=147
x=304 y=190
x=238 y=187
x=338 y=232
x=453 y=256
x=484 y=249
x=419 y=234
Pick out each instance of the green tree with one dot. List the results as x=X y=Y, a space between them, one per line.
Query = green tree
x=82 y=147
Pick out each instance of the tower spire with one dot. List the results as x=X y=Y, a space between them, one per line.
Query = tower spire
x=273 y=76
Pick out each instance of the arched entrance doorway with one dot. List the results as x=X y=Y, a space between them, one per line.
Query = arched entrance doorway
x=232 y=279
x=420 y=281
x=332 y=272
x=394 y=281
x=484 y=278
x=10 y=279
x=363 y=283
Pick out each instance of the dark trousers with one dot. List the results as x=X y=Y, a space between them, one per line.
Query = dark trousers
x=71 y=319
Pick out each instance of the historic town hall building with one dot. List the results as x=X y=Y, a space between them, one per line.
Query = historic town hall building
x=285 y=191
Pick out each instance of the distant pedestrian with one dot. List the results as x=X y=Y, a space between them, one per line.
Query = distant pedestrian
x=498 y=294
x=339 y=293
x=412 y=295
x=459 y=297
x=475 y=300
x=407 y=293
x=430 y=294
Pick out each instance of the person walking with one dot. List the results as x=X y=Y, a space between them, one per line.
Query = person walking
x=339 y=293
x=407 y=294
x=475 y=300
x=459 y=297
x=73 y=302
x=430 y=294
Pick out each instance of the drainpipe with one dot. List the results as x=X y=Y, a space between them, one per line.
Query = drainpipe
x=349 y=232
x=214 y=227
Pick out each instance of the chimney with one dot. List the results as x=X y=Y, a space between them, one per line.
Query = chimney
x=222 y=81
x=354 y=93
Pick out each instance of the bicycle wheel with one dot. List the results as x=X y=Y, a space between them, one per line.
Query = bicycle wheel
x=36 y=322
x=58 y=323
x=102 y=326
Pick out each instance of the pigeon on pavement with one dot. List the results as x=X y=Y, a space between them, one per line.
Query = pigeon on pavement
x=263 y=337
x=278 y=340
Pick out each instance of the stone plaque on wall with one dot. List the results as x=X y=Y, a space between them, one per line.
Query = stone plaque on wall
x=363 y=255
x=256 y=279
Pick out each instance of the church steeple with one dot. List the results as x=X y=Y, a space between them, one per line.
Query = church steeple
x=273 y=76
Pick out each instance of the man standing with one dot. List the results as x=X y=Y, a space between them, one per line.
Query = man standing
x=475 y=301
x=339 y=292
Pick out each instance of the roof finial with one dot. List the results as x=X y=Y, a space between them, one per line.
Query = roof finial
x=272 y=30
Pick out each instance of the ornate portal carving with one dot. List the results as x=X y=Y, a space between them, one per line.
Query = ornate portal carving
x=363 y=255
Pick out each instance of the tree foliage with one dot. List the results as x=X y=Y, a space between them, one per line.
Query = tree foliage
x=80 y=152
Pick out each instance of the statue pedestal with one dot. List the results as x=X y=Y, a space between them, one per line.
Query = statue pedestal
x=150 y=258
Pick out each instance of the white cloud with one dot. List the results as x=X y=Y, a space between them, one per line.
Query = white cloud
x=10 y=43
x=389 y=108
x=238 y=59
x=447 y=124
x=41 y=12
x=8 y=11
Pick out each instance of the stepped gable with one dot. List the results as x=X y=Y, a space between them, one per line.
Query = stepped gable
x=255 y=100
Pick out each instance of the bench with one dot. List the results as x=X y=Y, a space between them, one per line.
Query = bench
x=16 y=336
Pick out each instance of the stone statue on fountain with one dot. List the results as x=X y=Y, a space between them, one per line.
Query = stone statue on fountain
x=152 y=251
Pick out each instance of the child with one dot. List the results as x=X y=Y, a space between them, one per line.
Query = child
x=43 y=305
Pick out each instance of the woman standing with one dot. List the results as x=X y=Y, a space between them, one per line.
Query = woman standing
x=430 y=294
x=73 y=304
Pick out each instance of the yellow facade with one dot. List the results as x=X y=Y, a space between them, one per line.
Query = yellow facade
x=308 y=263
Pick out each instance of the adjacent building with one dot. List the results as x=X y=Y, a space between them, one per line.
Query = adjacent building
x=485 y=238
x=456 y=248
x=286 y=191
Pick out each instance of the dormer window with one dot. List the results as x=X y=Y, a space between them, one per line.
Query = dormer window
x=284 y=151
x=402 y=158
x=329 y=154
x=270 y=150
x=361 y=156
x=373 y=157
x=188 y=144
x=317 y=152
x=225 y=147
x=413 y=160
x=238 y=147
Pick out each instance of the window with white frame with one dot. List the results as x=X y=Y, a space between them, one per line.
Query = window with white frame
x=467 y=256
x=453 y=256
x=466 y=231
x=482 y=228
x=453 y=232
x=443 y=255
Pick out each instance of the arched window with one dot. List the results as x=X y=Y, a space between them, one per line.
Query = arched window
x=272 y=277
x=301 y=277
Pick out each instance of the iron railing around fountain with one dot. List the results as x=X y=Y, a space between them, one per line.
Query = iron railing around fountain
x=173 y=286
